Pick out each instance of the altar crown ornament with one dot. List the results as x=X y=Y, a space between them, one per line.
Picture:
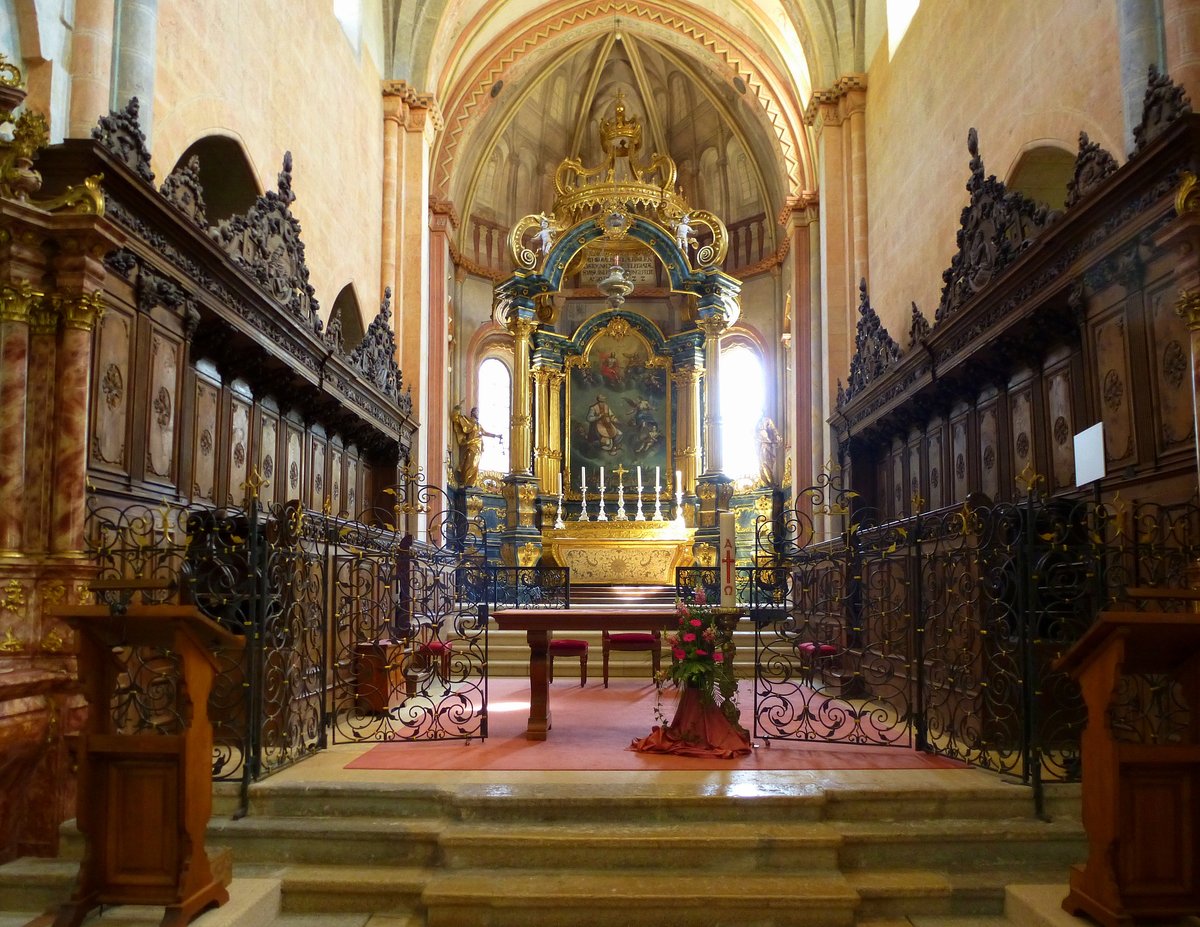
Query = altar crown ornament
x=616 y=192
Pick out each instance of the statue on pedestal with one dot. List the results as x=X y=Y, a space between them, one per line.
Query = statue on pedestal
x=468 y=435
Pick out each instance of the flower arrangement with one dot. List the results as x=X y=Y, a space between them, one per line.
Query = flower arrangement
x=698 y=657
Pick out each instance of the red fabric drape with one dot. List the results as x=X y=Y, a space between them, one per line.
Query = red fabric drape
x=698 y=729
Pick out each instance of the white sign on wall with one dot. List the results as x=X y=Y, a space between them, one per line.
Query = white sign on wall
x=638 y=267
x=1089 y=455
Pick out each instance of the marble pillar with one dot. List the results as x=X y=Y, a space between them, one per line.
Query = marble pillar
x=441 y=228
x=712 y=327
x=15 y=304
x=808 y=431
x=39 y=435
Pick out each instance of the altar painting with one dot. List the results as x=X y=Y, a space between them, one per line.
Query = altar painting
x=619 y=412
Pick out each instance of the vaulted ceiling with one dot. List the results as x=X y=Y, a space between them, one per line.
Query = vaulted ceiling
x=720 y=87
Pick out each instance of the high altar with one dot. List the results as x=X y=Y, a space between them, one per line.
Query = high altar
x=603 y=386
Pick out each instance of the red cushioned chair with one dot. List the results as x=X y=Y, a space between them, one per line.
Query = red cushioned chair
x=633 y=641
x=567 y=647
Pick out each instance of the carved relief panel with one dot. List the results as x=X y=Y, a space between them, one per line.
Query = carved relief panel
x=317 y=490
x=916 y=498
x=293 y=472
x=1024 y=456
x=1060 y=418
x=204 y=441
x=239 y=451
x=268 y=455
x=989 y=447
x=1174 y=422
x=898 y=488
x=335 y=478
x=112 y=390
x=1111 y=380
x=353 y=492
x=960 y=453
x=163 y=399
x=936 y=484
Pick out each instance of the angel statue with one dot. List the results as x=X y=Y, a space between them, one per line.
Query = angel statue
x=769 y=442
x=544 y=236
x=468 y=435
x=684 y=236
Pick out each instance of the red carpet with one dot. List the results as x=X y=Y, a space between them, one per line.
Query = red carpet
x=593 y=728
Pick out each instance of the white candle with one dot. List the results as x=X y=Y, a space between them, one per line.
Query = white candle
x=656 y=483
x=639 y=477
x=678 y=481
x=583 y=479
x=560 y=482
x=602 y=479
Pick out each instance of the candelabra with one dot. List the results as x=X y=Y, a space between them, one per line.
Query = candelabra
x=640 y=515
x=658 y=515
x=621 y=516
x=558 y=521
x=583 y=515
x=602 y=516
x=679 y=504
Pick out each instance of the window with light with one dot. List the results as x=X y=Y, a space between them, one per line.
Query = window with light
x=743 y=396
x=495 y=412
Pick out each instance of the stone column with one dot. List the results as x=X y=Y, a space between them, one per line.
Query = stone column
x=91 y=66
x=836 y=116
x=1181 y=25
x=15 y=304
x=808 y=446
x=442 y=220
x=134 y=59
x=393 y=119
x=1140 y=36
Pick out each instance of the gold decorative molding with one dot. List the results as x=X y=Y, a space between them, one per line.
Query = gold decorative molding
x=617 y=328
x=13 y=597
x=1187 y=197
x=619 y=552
x=11 y=643
x=86 y=198
x=53 y=642
x=18 y=301
x=712 y=325
x=1187 y=307
x=706 y=555
x=10 y=74
x=528 y=554
x=82 y=313
x=43 y=319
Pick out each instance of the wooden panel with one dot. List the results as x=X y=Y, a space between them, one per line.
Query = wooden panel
x=917 y=498
x=1111 y=352
x=204 y=438
x=112 y=390
x=1159 y=840
x=239 y=450
x=353 y=478
x=1060 y=415
x=895 y=503
x=165 y=363
x=1174 y=423
x=142 y=821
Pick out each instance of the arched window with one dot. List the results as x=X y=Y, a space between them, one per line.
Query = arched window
x=230 y=187
x=346 y=308
x=495 y=411
x=743 y=397
x=1042 y=174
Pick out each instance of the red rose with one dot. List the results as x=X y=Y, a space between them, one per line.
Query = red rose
x=689 y=637
x=678 y=653
x=696 y=622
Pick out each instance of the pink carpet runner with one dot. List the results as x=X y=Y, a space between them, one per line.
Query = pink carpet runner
x=593 y=728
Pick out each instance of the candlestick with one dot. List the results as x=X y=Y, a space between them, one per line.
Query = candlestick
x=658 y=516
x=678 y=498
x=621 y=516
x=558 y=522
x=583 y=515
x=640 y=516
x=602 y=516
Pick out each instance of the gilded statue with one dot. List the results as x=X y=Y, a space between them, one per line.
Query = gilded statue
x=468 y=435
x=769 y=442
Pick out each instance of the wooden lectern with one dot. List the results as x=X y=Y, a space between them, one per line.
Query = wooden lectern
x=1141 y=800
x=145 y=760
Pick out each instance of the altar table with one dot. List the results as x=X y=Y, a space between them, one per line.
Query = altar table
x=540 y=623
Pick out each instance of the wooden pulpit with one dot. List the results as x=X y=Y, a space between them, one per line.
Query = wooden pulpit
x=1141 y=794
x=145 y=760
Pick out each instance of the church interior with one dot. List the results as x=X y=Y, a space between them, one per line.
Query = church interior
x=364 y=364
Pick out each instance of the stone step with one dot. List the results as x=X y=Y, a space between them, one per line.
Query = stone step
x=379 y=890
x=1040 y=905
x=733 y=848
x=618 y=898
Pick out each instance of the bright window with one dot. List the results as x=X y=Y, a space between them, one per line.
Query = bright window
x=495 y=412
x=349 y=14
x=742 y=398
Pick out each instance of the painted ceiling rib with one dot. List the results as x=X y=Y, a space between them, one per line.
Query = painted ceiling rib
x=589 y=95
x=652 y=115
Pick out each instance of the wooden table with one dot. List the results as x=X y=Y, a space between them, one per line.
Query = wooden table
x=540 y=623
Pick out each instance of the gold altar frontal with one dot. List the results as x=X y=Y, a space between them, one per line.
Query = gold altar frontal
x=625 y=552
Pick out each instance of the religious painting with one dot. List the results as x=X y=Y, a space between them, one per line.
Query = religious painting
x=618 y=411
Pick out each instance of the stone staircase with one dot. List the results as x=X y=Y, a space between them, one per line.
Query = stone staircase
x=783 y=852
x=508 y=651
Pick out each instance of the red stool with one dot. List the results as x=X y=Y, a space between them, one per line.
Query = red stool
x=814 y=653
x=567 y=647
x=442 y=650
x=632 y=641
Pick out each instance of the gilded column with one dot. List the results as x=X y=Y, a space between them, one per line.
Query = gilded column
x=522 y=330
x=544 y=467
x=712 y=326
x=688 y=382
x=72 y=372
x=554 y=443
x=91 y=66
x=16 y=301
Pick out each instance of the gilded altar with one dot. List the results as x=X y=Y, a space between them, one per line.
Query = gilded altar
x=625 y=552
